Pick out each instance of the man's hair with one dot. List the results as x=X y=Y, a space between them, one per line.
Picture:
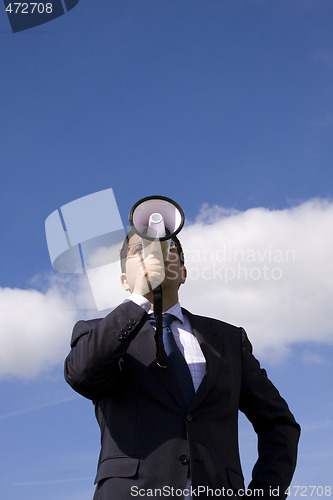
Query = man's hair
x=124 y=250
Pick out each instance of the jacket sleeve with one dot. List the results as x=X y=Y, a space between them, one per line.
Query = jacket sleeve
x=97 y=347
x=278 y=432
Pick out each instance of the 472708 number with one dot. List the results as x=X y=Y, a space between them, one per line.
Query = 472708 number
x=309 y=491
x=29 y=8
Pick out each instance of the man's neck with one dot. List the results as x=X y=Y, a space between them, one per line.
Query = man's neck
x=167 y=302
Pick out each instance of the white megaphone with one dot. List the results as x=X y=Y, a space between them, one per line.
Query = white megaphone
x=157 y=218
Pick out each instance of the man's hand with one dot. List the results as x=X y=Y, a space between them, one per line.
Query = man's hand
x=150 y=270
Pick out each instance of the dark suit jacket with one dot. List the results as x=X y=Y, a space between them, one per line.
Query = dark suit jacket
x=148 y=437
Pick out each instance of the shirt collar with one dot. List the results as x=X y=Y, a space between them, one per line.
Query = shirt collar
x=176 y=310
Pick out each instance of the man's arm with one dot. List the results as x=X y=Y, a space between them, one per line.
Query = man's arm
x=278 y=432
x=97 y=346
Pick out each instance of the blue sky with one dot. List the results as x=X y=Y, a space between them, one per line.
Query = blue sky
x=224 y=106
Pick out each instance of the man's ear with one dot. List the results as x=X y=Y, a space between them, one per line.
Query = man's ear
x=124 y=283
x=183 y=275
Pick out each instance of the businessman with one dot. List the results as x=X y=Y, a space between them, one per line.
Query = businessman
x=173 y=432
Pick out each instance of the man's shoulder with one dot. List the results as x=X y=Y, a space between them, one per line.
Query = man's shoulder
x=209 y=322
x=127 y=306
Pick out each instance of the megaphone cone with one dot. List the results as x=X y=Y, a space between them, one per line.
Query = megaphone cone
x=156 y=217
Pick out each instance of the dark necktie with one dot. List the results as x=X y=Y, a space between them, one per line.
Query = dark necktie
x=176 y=359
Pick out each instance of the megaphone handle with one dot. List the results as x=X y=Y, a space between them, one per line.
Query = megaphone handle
x=161 y=356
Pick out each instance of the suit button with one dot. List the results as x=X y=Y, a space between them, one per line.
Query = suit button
x=184 y=460
x=128 y=326
x=189 y=418
x=123 y=330
x=120 y=336
x=133 y=322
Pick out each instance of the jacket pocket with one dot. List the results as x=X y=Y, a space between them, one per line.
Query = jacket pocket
x=117 y=467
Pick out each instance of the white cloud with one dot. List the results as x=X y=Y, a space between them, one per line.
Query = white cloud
x=36 y=325
x=269 y=271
